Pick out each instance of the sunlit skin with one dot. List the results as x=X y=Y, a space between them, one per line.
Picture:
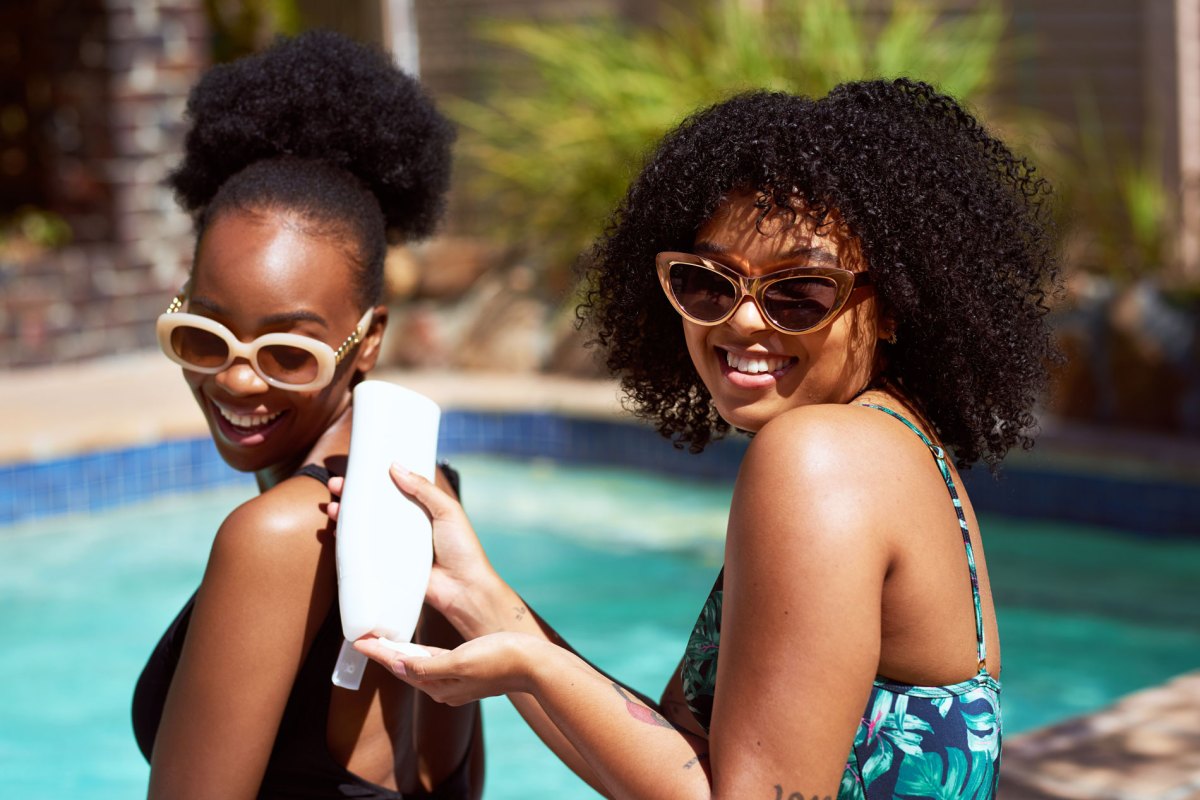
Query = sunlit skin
x=829 y=365
x=260 y=273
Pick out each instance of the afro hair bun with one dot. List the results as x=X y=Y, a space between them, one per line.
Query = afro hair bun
x=324 y=97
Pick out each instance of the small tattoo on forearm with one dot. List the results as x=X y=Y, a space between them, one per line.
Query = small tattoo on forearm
x=795 y=795
x=640 y=712
x=699 y=757
x=520 y=612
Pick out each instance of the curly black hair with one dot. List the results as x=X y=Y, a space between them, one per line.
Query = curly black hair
x=956 y=230
x=325 y=126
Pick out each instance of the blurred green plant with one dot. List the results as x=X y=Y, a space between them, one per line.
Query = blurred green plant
x=1122 y=207
x=33 y=228
x=242 y=27
x=549 y=158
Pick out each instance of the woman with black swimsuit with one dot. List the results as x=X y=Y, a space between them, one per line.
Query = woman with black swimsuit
x=301 y=163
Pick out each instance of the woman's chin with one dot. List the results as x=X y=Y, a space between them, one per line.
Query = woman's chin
x=744 y=418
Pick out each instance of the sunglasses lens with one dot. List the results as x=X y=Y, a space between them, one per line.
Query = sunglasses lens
x=287 y=364
x=199 y=347
x=702 y=293
x=798 y=304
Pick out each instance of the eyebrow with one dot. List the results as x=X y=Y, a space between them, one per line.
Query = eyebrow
x=814 y=255
x=300 y=315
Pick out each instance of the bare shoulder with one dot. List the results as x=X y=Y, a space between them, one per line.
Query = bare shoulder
x=284 y=529
x=828 y=473
x=270 y=577
x=828 y=444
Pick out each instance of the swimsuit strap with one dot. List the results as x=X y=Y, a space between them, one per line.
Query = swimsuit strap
x=315 y=471
x=940 y=455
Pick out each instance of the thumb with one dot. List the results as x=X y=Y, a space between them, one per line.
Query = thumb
x=405 y=660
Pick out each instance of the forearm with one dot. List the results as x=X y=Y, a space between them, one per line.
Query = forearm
x=632 y=750
x=499 y=608
x=478 y=602
x=548 y=731
x=490 y=605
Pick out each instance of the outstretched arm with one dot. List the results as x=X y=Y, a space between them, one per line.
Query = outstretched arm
x=622 y=741
x=478 y=602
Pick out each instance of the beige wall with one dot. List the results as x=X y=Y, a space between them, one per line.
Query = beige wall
x=1138 y=60
x=1187 y=15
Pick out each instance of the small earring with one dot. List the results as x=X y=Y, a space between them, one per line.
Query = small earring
x=891 y=337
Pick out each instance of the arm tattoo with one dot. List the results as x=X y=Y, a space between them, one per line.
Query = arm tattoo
x=520 y=612
x=795 y=795
x=640 y=712
x=699 y=757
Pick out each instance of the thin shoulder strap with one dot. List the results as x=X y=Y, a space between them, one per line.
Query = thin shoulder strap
x=316 y=472
x=940 y=455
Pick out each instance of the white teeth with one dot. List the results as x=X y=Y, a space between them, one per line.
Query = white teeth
x=754 y=366
x=247 y=420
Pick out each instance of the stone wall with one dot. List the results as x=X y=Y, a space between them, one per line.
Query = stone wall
x=107 y=86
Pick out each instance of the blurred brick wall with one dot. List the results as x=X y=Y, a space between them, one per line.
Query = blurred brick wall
x=107 y=84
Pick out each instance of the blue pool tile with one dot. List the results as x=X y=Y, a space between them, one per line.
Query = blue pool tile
x=98 y=480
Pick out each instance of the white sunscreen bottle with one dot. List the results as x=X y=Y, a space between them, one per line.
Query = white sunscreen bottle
x=384 y=539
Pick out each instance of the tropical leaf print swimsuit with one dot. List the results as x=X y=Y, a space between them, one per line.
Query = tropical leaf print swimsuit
x=913 y=741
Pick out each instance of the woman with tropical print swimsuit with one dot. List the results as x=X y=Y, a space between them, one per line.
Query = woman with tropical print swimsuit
x=858 y=282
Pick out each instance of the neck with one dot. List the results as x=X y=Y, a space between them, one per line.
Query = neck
x=334 y=441
x=884 y=391
x=277 y=473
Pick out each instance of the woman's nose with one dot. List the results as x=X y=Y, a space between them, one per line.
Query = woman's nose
x=239 y=378
x=748 y=317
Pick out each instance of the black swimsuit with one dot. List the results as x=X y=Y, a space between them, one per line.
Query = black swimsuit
x=301 y=765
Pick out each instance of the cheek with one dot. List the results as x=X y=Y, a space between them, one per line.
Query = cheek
x=847 y=354
x=194 y=380
x=317 y=408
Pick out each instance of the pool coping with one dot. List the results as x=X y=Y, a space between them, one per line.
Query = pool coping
x=1141 y=747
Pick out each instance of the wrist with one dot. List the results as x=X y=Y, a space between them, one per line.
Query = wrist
x=541 y=659
x=486 y=605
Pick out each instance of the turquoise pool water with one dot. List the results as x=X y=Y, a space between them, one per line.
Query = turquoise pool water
x=1086 y=614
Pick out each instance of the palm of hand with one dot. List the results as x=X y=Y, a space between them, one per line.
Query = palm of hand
x=491 y=665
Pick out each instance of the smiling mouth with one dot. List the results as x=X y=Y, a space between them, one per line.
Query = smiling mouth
x=755 y=365
x=245 y=425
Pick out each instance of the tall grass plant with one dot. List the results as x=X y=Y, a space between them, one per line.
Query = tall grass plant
x=549 y=157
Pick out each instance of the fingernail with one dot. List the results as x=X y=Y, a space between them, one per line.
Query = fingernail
x=399 y=669
x=399 y=469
